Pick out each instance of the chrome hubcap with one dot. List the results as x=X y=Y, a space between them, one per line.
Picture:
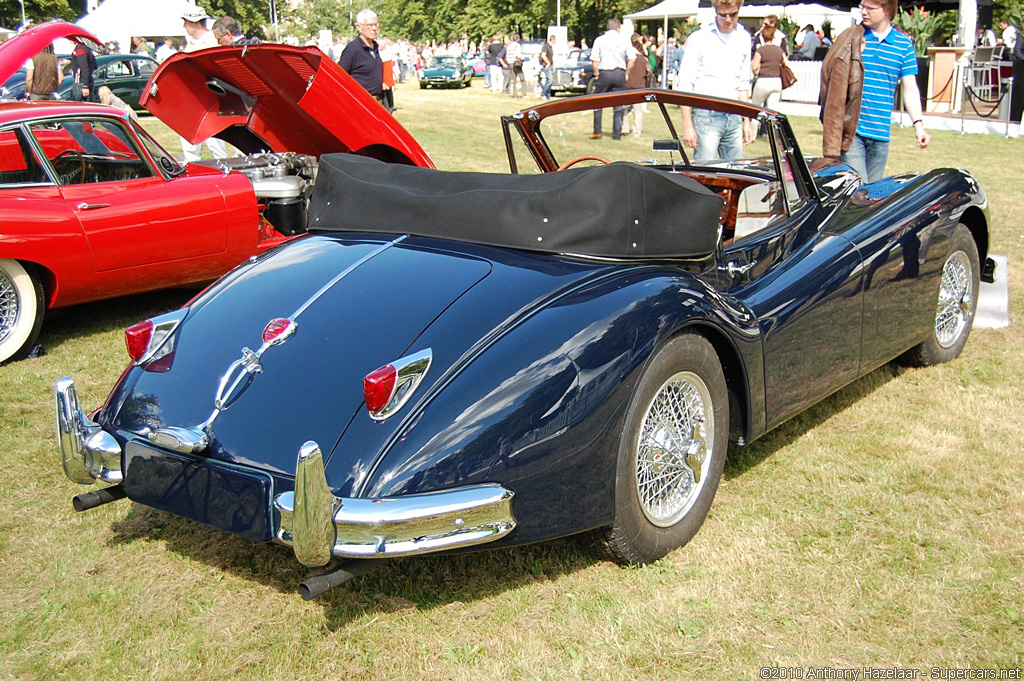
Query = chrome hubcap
x=673 y=450
x=955 y=303
x=8 y=306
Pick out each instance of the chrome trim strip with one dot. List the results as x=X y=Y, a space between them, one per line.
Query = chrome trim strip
x=344 y=273
x=88 y=453
x=317 y=524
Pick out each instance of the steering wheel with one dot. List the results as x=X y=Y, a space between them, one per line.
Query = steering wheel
x=68 y=154
x=585 y=157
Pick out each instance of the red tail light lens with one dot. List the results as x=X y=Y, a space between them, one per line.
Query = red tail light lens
x=378 y=387
x=151 y=343
x=137 y=339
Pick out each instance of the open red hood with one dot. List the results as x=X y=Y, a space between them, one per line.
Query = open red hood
x=275 y=98
x=22 y=47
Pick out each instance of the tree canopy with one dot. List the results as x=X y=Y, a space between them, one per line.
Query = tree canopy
x=449 y=20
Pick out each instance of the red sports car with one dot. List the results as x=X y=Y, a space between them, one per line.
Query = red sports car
x=94 y=208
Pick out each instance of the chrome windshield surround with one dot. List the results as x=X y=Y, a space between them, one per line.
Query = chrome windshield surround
x=319 y=525
x=411 y=371
x=88 y=453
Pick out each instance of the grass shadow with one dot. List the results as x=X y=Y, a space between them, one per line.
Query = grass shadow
x=739 y=460
x=424 y=583
x=105 y=316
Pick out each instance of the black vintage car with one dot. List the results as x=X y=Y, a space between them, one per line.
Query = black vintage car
x=575 y=76
x=124 y=74
x=409 y=378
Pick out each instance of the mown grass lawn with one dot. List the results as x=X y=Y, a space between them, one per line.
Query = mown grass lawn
x=881 y=528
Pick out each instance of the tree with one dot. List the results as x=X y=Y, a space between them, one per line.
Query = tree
x=37 y=11
x=252 y=15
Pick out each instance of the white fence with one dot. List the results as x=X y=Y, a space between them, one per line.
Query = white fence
x=808 y=82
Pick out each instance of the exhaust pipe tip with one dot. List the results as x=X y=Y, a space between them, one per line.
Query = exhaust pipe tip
x=90 y=500
x=318 y=584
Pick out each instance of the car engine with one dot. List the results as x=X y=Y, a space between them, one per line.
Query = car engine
x=282 y=183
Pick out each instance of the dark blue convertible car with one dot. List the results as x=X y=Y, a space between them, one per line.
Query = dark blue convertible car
x=453 y=360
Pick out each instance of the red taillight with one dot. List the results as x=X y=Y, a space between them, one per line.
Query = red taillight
x=278 y=330
x=378 y=387
x=137 y=339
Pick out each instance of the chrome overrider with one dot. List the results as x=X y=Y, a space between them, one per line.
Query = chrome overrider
x=319 y=525
x=88 y=452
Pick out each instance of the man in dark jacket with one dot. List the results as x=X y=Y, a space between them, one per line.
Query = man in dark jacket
x=83 y=64
x=361 y=57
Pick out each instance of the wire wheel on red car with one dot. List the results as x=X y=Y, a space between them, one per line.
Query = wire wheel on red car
x=672 y=451
x=21 y=310
x=956 y=305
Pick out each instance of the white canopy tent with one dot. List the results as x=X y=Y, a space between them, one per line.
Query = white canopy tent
x=119 y=20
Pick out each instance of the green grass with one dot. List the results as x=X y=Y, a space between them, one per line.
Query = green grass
x=879 y=528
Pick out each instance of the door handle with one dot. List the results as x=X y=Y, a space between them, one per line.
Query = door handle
x=732 y=269
x=92 y=206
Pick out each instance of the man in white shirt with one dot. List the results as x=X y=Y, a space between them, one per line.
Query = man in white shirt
x=717 y=63
x=1009 y=35
x=611 y=56
x=199 y=38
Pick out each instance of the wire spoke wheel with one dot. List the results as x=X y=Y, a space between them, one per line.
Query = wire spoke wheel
x=955 y=300
x=21 y=309
x=671 y=451
x=9 y=306
x=672 y=448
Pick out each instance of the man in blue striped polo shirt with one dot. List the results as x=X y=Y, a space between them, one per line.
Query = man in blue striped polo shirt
x=889 y=59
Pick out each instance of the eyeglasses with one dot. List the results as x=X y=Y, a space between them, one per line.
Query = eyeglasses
x=869 y=8
x=373 y=25
x=728 y=15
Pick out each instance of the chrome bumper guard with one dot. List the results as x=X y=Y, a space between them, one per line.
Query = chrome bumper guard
x=87 y=452
x=319 y=525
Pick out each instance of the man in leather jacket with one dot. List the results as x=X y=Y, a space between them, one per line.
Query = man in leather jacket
x=856 y=121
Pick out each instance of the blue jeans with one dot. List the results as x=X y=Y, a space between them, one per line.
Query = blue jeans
x=867 y=157
x=719 y=135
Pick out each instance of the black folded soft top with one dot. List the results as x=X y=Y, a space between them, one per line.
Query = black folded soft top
x=620 y=210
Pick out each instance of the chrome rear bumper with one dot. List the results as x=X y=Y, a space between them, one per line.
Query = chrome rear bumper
x=314 y=522
x=319 y=525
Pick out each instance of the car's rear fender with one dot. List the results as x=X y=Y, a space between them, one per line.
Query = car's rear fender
x=540 y=410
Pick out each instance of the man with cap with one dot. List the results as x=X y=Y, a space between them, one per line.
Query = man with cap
x=199 y=38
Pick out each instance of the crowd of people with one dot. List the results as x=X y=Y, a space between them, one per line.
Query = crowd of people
x=721 y=58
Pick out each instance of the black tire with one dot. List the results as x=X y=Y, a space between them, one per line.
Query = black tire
x=423 y=86
x=653 y=514
x=956 y=305
x=21 y=309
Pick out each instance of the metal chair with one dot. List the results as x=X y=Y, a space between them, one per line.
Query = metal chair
x=984 y=73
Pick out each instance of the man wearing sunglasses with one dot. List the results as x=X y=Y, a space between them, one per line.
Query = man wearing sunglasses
x=858 y=87
x=717 y=62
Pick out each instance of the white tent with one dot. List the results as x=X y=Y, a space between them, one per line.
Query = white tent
x=802 y=14
x=667 y=9
x=119 y=20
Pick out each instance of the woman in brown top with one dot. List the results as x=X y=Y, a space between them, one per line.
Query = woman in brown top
x=637 y=77
x=766 y=65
